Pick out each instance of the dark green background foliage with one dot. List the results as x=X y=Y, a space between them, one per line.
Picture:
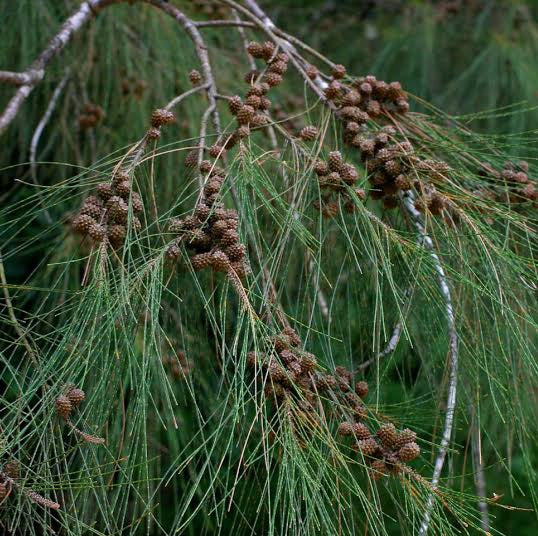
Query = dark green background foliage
x=194 y=454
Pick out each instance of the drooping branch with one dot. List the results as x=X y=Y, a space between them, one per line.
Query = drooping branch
x=426 y=242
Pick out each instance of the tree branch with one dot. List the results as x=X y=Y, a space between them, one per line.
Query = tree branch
x=426 y=242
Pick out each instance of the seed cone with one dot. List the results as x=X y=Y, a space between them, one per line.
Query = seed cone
x=76 y=396
x=63 y=406
x=409 y=452
x=388 y=435
x=161 y=117
x=309 y=133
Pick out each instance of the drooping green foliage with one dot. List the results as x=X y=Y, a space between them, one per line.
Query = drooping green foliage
x=195 y=441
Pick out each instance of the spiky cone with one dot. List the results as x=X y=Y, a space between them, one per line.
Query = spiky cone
x=278 y=67
x=333 y=90
x=259 y=120
x=349 y=174
x=216 y=151
x=268 y=50
x=373 y=108
x=153 y=133
x=104 y=191
x=405 y=436
x=345 y=429
x=328 y=381
x=311 y=71
x=378 y=469
x=161 y=117
x=191 y=160
x=308 y=362
x=172 y=252
x=409 y=452
x=92 y=210
x=76 y=396
x=367 y=447
x=254 y=101
x=309 y=133
x=338 y=72
x=273 y=79
x=11 y=469
x=63 y=406
x=292 y=336
x=201 y=261
x=97 y=232
x=360 y=412
x=335 y=160
x=361 y=431
x=234 y=104
x=3 y=490
x=361 y=388
x=119 y=176
x=255 y=49
x=245 y=114
x=321 y=168
x=388 y=435
x=195 y=77
x=220 y=261
x=402 y=183
x=236 y=252
x=116 y=234
x=83 y=223
x=402 y=106
x=123 y=189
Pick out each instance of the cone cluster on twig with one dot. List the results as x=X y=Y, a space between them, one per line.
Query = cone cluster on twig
x=511 y=186
x=210 y=234
x=251 y=110
x=66 y=403
x=336 y=179
x=386 y=451
x=105 y=216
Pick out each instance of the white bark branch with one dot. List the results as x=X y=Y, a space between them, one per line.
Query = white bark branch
x=426 y=242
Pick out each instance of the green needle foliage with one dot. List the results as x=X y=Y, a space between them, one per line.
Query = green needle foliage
x=240 y=398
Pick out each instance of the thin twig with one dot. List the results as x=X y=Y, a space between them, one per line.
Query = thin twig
x=39 y=130
x=218 y=23
x=426 y=242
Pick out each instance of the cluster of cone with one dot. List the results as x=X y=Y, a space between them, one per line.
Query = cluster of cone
x=105 y=216
x=294 y=375
x=390 y=162
x=251 y=111
x=65 y=405
x=364 y=98
x=511 y=185
x=387 y=451
x=210 y=234
x=336 y=179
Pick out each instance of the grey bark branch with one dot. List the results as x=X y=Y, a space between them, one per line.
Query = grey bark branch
x=425 y=241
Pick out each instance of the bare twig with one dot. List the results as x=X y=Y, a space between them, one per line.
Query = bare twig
x=218 y=23
x=39 y=130
x=426 y=242
x=21 y=79
x=34 y=74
